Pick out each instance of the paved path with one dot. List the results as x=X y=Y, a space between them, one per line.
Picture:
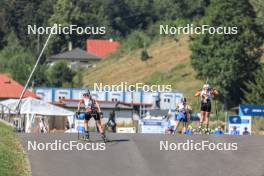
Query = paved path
x=140 y=155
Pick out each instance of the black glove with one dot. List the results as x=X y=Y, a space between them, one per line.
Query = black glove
x=78 y=112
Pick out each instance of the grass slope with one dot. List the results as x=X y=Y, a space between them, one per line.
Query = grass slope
x=12 y=159
x=169 y=64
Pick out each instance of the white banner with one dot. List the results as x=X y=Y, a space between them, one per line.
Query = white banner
x=239 y=125
x=152 y=126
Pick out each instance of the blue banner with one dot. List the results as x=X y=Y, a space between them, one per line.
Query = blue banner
x=251 y=110
x=234 y=119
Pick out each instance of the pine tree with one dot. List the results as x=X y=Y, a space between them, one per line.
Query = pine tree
x=255 y=89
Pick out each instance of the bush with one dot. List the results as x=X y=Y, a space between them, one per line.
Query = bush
x=136 y=40
x=60 y=75
x=144 y=55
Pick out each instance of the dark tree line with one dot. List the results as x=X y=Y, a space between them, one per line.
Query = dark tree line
x=120 y=17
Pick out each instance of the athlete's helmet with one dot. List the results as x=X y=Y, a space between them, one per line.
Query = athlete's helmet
x=87 y=93
x=206 y=86
x=183 y=100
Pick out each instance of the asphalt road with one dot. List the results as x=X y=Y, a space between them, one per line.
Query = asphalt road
x=140 y=155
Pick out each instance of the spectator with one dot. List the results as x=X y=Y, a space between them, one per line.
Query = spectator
x=234 y=131
x=170 y=127
x=43 y=127
x=246 y=132
x=67 y=126
x=218 y=131
x=189 y=130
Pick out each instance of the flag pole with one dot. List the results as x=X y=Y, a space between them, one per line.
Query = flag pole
x=32 y=72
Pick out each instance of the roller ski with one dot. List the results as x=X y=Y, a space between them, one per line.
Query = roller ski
x=201 y=130
x=105 y=139
x=85 y=137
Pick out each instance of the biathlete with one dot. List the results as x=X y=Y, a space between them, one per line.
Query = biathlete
x=183 y=115
x=92 y=109
x=206 y=95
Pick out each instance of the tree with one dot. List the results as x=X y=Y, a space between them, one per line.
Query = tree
x=16 y=15
x=82 y=13
x=259 y=9
x=60 y=75
x=228 y=60
x=40 y=76
x=78 y=78
x=255 y=89
x=16 y=60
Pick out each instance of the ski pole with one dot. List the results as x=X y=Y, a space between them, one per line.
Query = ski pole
x=216 y=112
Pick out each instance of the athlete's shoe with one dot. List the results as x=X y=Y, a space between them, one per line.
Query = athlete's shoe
x=199 y=130
x=85 y=138
x=207 y=131
x=104 y=138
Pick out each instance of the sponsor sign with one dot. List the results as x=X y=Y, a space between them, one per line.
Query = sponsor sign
x=238 y=124
x=251 y=110
x=126 y=130
x=152 y=126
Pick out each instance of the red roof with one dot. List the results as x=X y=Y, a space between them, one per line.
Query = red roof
x=101 y=48
x=12 y=89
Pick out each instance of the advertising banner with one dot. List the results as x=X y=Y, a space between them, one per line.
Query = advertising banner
x=153 y=126
x=251 y=110
x=239 y=125
x=79 y=125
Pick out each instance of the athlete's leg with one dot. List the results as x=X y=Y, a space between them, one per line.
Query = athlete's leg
x=185 y=125
x=185 y=122
x=100 y=127
x=202 y=118
x=102 y=124
x=207 y=114
x=86 y=127
x=178 y=119
x=176 y=126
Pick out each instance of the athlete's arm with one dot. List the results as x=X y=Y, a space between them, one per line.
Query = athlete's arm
x=198 y=93
x=177 y=106
x=98 y=106
x=79 y=105
x=215 y=92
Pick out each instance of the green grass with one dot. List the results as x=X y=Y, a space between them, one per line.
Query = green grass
x=12 y=159
x=182 y=78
